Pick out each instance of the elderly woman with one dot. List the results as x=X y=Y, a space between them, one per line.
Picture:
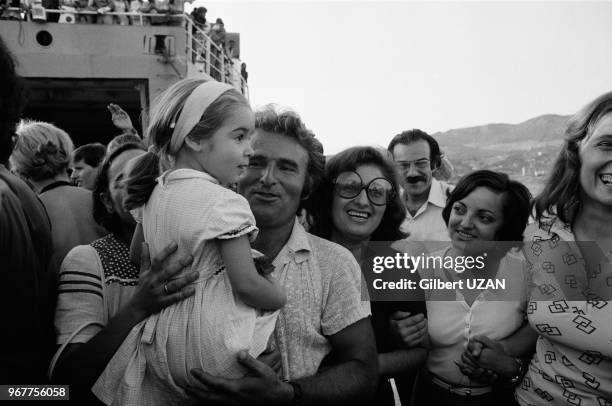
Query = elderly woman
x=484 y=210
x=358 y=204
x=101 y=294
x=41 y=156
x=570 y=245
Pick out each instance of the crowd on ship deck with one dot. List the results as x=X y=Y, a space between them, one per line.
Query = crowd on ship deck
x=224 y=58
x=222 y=258
x=95 y=11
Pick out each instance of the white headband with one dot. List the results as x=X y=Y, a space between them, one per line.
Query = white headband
x=195 y=105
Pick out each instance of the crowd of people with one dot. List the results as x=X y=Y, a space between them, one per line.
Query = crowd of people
x=97 y=11
x=222 y=259
x=212 y=51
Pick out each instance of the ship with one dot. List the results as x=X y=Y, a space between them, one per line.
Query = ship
x=73 y=71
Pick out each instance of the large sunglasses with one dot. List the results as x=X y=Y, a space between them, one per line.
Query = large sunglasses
x=349 y=185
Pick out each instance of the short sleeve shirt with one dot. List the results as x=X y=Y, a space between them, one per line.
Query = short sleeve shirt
x=95 y=282
x=322 y=283
x=573 y=360
x=192 y=209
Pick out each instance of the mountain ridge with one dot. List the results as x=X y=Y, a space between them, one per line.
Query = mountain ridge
x=525 y=151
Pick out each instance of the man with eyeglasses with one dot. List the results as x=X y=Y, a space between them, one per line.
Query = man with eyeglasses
x=417 y=154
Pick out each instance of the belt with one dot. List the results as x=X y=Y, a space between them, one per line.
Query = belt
x=461 y=390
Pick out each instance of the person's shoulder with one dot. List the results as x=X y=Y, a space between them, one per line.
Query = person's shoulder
x=546 y=228
x=439 y=192
x=15 y=194
x=228 y=201
x=215 y=191
x=195 y=185
x=67 y=193
x=323 y=245
x=444 y=186
x=81 y=195
x=11 y=185
x=84 y=251
x=10 y=203
x=6 y=192
x=330 y=252
x=80 y=260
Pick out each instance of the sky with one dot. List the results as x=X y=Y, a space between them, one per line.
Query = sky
x=359 y=72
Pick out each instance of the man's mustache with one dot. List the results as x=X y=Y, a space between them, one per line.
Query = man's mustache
x=415 y=179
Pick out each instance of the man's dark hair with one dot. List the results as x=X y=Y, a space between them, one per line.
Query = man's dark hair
x=288 y=123
x=11 y=101
x=92 y=154
x=410 y=136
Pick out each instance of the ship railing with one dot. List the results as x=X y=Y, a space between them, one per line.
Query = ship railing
x=201 y=50
x=213 y=59
x=136 y=18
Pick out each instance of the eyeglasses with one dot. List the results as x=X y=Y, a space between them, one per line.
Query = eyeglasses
x=349 y=185
x=419 y=164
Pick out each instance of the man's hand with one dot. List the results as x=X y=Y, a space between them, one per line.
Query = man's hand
x=155 y=290
x=261 y=385
x=120 y=118
x=412 y=330
x=272 y=357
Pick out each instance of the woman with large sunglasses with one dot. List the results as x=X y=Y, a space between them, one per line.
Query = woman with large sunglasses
x=357 y=205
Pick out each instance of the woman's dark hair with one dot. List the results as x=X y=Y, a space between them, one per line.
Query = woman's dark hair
x=109 y=220
x=516 y=200
x=561 y=195
x=349 y=160
x=165 y=112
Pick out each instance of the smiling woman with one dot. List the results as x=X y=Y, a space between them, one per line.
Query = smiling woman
x=358 y=203
x=574 y=220
x=484 y=208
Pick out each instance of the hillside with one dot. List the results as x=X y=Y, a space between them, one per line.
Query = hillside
x=525 y=151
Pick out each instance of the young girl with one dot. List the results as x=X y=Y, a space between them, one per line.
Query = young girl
x=201 y=131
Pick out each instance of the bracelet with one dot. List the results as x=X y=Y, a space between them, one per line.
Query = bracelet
x=521 y=371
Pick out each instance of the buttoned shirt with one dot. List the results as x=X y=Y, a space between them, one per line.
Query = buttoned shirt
x=452 y=322
x=573 y=359
x=427 y=223
x=322 y=283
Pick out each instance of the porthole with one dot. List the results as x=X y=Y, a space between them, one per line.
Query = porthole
x=44 y=38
